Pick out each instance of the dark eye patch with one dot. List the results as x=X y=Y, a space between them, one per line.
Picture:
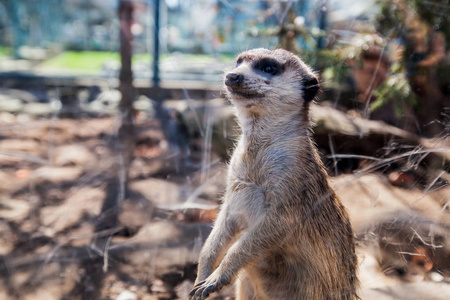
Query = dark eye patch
x=268 y=66
x=239 y=61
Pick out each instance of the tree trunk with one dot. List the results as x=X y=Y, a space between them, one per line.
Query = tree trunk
x=124 y=146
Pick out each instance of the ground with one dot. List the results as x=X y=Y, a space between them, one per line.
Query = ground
x=59 y=239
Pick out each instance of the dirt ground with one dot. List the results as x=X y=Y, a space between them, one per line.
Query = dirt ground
x=60 y=239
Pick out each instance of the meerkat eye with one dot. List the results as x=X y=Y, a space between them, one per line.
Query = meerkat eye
x=268 y=66
x=239 y=61
x=269 y=69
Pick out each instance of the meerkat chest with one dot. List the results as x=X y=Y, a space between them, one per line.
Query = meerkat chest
x=264 y=164
x=252 y=178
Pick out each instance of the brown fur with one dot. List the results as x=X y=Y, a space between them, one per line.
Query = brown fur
x=281 y=233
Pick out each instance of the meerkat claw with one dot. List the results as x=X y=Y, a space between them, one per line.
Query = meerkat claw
x=201 y=292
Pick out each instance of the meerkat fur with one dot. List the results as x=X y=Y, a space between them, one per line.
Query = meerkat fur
x=282 y=233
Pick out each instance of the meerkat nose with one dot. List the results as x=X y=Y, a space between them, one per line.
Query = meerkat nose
x=233 y=79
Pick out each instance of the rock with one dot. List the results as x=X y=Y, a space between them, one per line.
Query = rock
x=15 y=210
x=372 y=135
x=51 y=290
x=213 y=120
x=10 y=183
x=12 y=158
x=184 y=289
x=77 y=155
x=7 y=239
x=11 y=105
x=28 y=146
x=7 y=118
x=143 y=103
x=136 y=213
x=22 y=173
x=160 y=192
x=48 y=282
x=81 y=236
x=115 y=285
x=22 y=95
x=405 y=231
x=377 y=198
x=127 y=295
x=211 y=188
x=328 y=119
x=160 y=245
x=107 y=102
x=411 y=291
x=35 y=53
x=3 y=291
x=83 y=202
x=56 y=174
x=401 y=179
x=159 y=288
x=412 y=245
x=13 y=151
x=40 y=109
x=370 y=274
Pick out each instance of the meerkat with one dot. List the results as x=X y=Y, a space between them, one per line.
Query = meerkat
x=281 y=233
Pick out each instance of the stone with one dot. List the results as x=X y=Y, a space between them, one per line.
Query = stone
x=14 y=210
x=9 y=183
x=377 y=199
x=136 y=213
x=11 y=105
x=83 y=202
x=7 y=118
x=77 y=155
x=40 y=109
x=51 y=174
x=127 y=295
x=160 y=245
x=107 y=102
x=7 y=238
x=23 y=145
x=411 y=291
x=160 y=192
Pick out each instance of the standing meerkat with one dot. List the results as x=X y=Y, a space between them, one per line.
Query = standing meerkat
x=282 y=233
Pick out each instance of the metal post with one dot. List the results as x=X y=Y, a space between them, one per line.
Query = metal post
x=125 y=13
x=13 y=8
x=323 y=23
x=156 y=78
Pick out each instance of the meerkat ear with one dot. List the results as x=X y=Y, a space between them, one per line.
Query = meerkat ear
x=310 y=88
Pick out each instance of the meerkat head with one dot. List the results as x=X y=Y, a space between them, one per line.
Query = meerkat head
x=270 y=80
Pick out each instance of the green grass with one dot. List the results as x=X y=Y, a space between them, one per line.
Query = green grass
x=5 y=51
x=91 y=61
x=85 y=60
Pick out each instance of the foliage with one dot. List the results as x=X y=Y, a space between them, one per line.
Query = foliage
x=396 y=89
x=332 y=63
x=394 y=15
x=394 y=21
x=436 y=13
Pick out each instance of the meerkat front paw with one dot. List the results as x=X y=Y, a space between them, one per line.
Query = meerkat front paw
x=213 y=283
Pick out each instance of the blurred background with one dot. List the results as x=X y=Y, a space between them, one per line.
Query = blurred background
x=115 y=137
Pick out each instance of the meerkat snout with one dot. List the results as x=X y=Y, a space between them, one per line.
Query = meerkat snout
x=233 y=79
